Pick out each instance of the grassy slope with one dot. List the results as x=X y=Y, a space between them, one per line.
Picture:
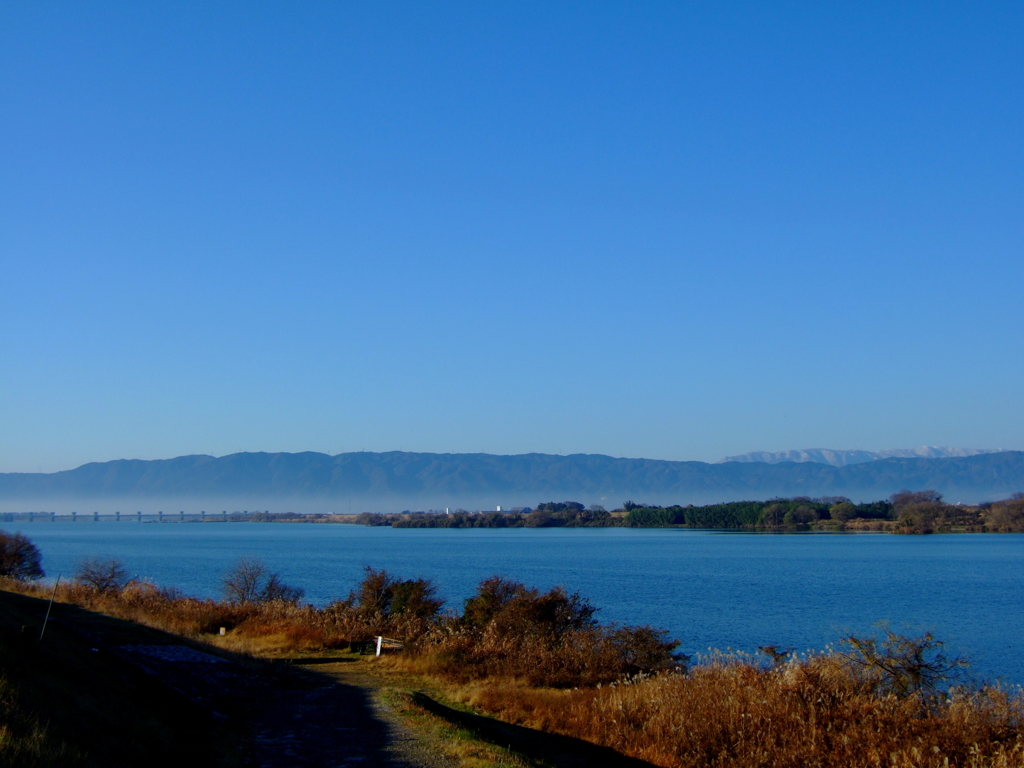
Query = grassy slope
x=64 y=704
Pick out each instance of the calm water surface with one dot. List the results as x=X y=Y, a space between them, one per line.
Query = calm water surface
x=721 y=590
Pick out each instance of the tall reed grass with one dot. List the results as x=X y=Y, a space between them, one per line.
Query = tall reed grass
x=812 y=712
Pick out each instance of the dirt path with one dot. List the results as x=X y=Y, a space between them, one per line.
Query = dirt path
x=337 y=724
x=526 y=746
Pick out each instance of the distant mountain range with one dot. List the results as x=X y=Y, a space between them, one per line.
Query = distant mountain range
x=398 y=480
x=844 y=458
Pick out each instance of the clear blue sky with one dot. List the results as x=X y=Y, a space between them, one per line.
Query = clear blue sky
x=642 y=229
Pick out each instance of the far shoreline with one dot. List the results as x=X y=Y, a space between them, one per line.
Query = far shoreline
x=905 y=512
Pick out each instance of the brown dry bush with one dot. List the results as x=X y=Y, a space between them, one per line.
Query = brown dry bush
x=385 y=605
x=510 y=631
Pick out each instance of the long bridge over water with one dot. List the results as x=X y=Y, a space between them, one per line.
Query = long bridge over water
x=130 y=517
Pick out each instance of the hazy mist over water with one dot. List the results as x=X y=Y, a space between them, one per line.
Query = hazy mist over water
x=299 y=505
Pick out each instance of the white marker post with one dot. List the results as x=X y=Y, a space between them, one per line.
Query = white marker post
x=380 y=642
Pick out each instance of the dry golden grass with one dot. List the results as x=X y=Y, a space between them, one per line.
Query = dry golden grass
x=274 y=627
x=823 y=710
x=813 y=712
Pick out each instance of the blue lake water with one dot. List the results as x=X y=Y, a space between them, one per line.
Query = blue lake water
x=710 y=589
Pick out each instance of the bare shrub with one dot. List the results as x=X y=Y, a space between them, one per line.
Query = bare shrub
x=102 y=575
x=901 y=665
x=275 y=590
x=251 y=582
x=19 y=557
x=1006 y=516
x=243 y=583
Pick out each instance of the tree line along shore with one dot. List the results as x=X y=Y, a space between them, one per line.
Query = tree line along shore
x=909 y=512
x=915 y=512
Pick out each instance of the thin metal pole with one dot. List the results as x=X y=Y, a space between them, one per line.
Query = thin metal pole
x=52 y=595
